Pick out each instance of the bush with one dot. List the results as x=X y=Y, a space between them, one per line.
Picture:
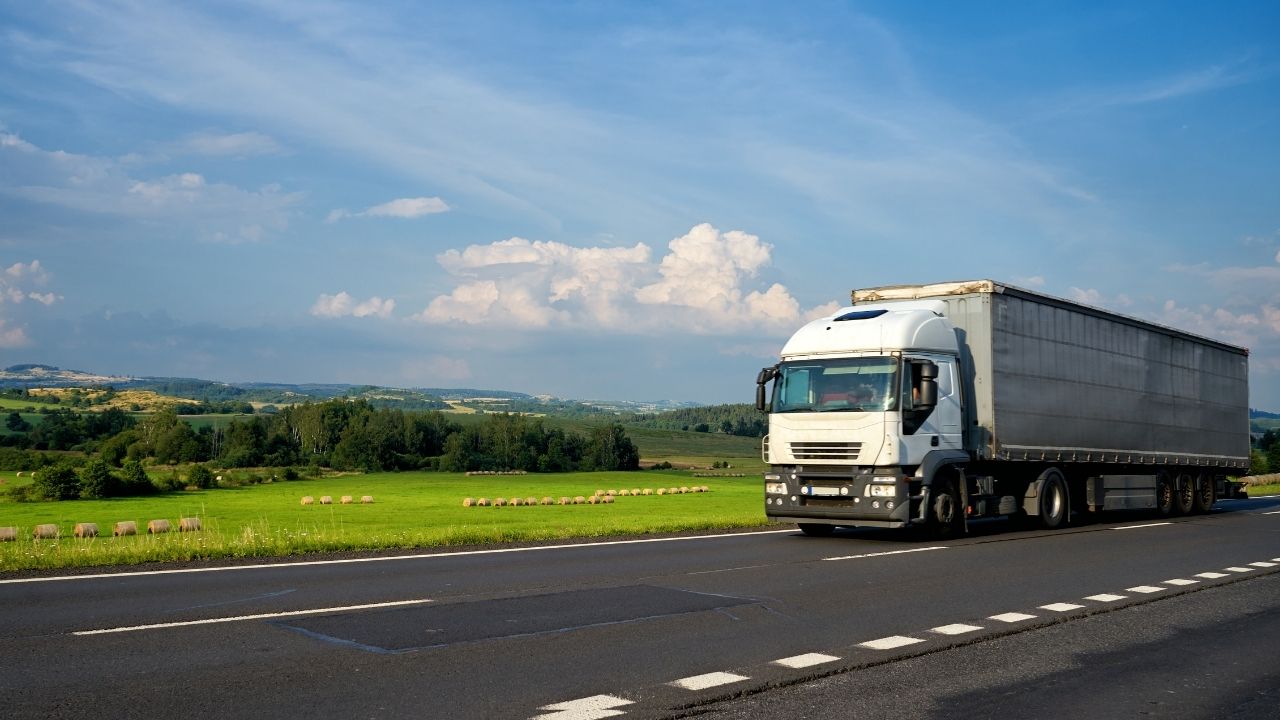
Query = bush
x=58 y=483
x=200 y=477
x=96 y=481
x=134 y=480
x=290 y=475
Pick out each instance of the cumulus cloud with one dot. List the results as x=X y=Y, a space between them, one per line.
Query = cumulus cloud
x=12 y=336
x=701 y=285
x=16 y=283
x=407 y=208
x=1095 y=298
x=343 y=305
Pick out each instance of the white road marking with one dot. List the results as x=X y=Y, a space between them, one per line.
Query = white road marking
x=891 y=642
x=806 y=660
x=1061 y=607
x=710 y=680
x=592 y=708
x=1211 y=575
x=956 y=629
x=390 y=558
x=889 y=552
x=1273 y=512
x=1181 y=581
x=243 y=618
x=1262 y=564
x=1145 y=589
x=1012 y=617
x=1236 y=569
x=1135 y=527
x=1106 y=597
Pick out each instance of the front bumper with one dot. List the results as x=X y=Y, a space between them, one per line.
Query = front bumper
x=838 y=495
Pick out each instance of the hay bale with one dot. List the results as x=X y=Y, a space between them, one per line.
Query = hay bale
x=468 y=502
x=45 y=532
x=346 y=500
x=547 y=501
x=594 y=499
x=662 y=491
x=8 y=534
x=499 y=502
x=366 y=499
x=326 y=499
x=191 y=524
x=684 y=490
x=218 y=478
x=308 y=500
x=125 y=527
x=673 y=491
x=531 y=501
x=156 y=527
x=86 y=530
x=706 y=489
x=648 y=491
x=579 y=500
x=635 y=492
x=482 y=502
x=516 y=502
x=599 y=493
x=564 y=501
x=610 y=492
x=608 y=500
x=19 y=473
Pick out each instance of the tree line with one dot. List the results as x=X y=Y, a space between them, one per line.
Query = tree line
x=732 y=419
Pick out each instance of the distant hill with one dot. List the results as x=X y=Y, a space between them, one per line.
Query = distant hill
x=1260 y=414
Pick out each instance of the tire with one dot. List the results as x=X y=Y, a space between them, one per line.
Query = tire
x=1055 y=503
x=1206 y=493
x=1164 y=494
x=1184 y=494
x=816 y=529
x=946 y=516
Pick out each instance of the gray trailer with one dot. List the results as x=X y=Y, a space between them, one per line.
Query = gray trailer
x=994 y=400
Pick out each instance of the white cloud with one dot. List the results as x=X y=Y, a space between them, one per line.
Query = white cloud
x=15 y=288
x=31 y=270
x=407 y=208
x=343 y=305
x=1096 y=299
x=699 y=286
x=11 y=336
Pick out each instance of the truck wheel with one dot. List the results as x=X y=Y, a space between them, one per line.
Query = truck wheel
x=1206 y=493
x=816 y=529
x=1054 y=504
x=1164 y=494
x=944 y=518
x=1184 y=497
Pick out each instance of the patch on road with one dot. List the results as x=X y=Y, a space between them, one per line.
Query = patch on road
x=433 y=626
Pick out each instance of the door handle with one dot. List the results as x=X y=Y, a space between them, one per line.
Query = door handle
x=934 y=441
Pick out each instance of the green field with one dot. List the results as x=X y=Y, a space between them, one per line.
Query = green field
x=409 y=510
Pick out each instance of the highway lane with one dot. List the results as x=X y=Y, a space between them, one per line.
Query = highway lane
x=505 y=634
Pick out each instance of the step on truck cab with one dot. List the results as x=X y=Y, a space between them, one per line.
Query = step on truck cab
x=935 y=404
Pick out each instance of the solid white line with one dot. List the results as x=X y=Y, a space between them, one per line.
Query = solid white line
x=1211 y=575
x=1146 y=589
x=1262 y=564
x=956 y=629
x=591 y=708
x=421 y=556
x=889 y=552
x=1012 y=617
x=242 y=618
x=1181 y=581
x=1061 y=607
x=1105 y=597
x=1273 y=512
x=806 y=660
x=710 y=680
x=1135 y=527
x=1238 y=569
x=891 y=642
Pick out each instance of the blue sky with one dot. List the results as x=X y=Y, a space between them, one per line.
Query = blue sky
x=614 y=200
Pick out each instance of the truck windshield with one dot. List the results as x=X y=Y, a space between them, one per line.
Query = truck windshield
x=862 y=384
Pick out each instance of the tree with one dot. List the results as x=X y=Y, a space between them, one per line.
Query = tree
x=201 y=477
x=96 y=480
x=16 y=424
x=58 y=483
x=134 y=480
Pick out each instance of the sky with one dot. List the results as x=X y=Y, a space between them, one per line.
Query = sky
x=614 y=200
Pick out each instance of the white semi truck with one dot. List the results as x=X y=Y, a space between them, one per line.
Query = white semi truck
x=932 y=405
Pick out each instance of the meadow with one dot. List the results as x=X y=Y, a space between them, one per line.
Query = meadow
x=415 y=509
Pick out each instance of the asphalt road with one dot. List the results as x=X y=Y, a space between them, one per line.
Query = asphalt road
x=743 y=625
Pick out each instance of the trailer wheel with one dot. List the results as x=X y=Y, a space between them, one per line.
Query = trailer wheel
x=944 y=518
x=816 y=529
x=1184 y=498
x=1054 y=504
x=1164 y=494
x=1206 y=493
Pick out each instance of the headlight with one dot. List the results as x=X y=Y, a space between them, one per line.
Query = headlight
x=775 y=488
x=884 y=491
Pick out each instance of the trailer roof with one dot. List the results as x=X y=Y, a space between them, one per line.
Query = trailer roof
x=970 y=287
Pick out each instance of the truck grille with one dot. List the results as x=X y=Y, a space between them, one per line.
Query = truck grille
x=825 y=450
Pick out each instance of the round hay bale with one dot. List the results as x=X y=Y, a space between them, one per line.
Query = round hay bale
x=326 y=499
x=346 y=499
x=684 y=489
x=516 y=502
x=579 y=500
x=635 y=492
x=468 y=502
x=366 y=499
x=706 y=489
x=157 y=527
x=499 y=502
x=594 y=499
x=661 y=491
x=563 y=501
x=547 y=501
x=86 y=530
x=673 y=491
x=482 y=502
x=125 y=527
x=308 y=500
x=531 y=501
x=648 y=491
x=610 y=492
x=8 y=534
x=608 y=500
x=599 y=493
x=191 y=524
x=19 y=473
x=48 y=531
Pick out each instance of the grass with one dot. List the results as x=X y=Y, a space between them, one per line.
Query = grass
x=410 y=510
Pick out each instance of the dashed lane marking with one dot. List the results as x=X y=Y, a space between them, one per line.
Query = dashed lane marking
x=1211 y=575
x=243 y=618
x=1012 y=617
x=955 y=629
x=1181 y=581
x=1135 y=527
x=1237 y=569
x=891 y=642
x=1061 y=607
x=1262 y=564
x=1147 y=589
x=709 y=680
x=806 y=660
x=889 y=552
x=591 y=708
x=1273 y=512
x=1106 y=597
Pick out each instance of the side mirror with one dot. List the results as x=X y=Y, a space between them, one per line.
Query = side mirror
x=766 y=374
x=928 y=385
x=760 y=399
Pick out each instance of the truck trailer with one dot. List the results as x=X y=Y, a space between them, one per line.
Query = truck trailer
x=932 y=405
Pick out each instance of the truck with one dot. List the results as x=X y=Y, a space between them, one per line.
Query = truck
x=934 y=405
